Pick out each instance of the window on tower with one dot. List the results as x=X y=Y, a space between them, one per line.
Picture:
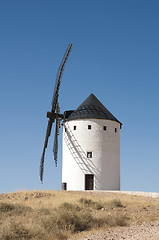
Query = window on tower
x=89 y=127
x=74 y=127
x=89 y=154
x=104 y=128
x=116 y=130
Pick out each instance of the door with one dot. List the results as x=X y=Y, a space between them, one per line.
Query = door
x=89 y=182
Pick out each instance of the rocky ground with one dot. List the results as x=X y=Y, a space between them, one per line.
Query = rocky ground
x=145 y=231
x=138 y=209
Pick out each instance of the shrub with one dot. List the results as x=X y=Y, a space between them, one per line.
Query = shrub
x=69 y=207
x=6 y=207
x=120 y=221
x=15 y=231
x=69 y=217
x=69 y=220
x=116 y=203
x=91 y=203
x=14 y=208
x=110 y=220
x=74 y=221
x=117 y=220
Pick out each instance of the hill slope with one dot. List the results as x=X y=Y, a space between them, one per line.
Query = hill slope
x=63 y=215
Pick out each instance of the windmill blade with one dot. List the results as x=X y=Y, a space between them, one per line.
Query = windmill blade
x=59 y=76
x=55 y=147
x=51 y=120
x=48 y=132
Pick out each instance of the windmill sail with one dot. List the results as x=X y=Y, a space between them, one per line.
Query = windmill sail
x=48 y=132
x=54 y=103
x=59 y=76
x=55 y=147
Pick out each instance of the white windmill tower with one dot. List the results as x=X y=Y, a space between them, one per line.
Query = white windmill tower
x=91 y=148
x=91 y=142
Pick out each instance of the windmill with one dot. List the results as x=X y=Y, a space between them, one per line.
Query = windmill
x=54 y=115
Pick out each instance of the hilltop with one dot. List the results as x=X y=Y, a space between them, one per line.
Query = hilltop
x=60 y=215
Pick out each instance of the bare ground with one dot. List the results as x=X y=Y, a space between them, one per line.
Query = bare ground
x=145 y=231
x=139 y=209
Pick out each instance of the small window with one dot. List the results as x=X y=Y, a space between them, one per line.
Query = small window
x=104 y=128
x=65 y=129
x=116 y=130
x=89 y=126
x=74 y=127
x=89 y=154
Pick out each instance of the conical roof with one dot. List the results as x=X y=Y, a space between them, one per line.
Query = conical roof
x=91 y=108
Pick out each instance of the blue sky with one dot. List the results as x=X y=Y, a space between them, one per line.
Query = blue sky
x=115 y=55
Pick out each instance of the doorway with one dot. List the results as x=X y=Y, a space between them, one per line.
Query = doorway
x=89 y=181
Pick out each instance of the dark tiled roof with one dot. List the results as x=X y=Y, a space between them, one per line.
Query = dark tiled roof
x=90 y=108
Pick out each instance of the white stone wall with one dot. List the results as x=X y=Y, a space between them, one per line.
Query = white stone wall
x=105 y=147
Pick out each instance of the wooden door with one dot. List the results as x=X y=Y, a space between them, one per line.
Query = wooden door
x=89 y=182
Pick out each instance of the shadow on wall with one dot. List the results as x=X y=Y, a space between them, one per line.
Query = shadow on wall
x=84 y=163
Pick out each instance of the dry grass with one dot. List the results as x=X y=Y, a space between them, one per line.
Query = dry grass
x=61 y=215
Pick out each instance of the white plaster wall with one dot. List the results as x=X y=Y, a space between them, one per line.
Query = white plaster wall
x=105 y=146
